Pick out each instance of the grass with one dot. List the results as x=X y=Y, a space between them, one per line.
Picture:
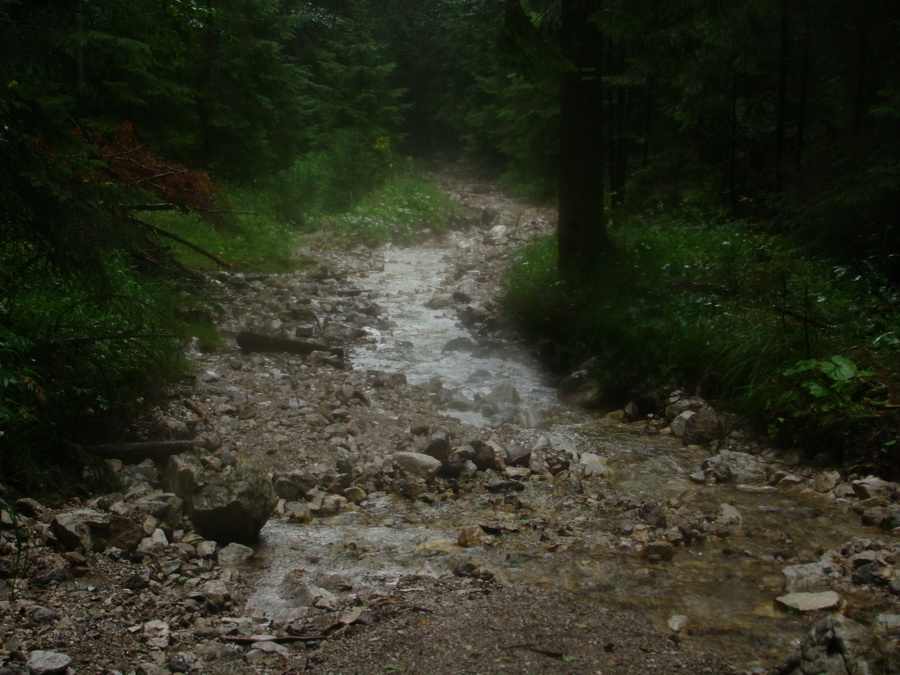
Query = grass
x=251 y=239
x=400 y=211
x=728 y=310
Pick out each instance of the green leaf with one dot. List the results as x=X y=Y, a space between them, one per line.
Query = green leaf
x=839 y=368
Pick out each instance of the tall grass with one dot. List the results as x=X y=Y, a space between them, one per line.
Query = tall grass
x=722 y=308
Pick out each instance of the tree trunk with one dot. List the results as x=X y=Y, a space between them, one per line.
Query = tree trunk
x=581 y=232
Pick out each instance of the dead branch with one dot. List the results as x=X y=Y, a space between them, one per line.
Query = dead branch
x=180 y=240
x=258 y=342
x=197 y=409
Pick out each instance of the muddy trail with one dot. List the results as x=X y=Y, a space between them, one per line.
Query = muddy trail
x=441 y=509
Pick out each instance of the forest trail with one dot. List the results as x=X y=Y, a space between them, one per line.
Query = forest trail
x=442 y=511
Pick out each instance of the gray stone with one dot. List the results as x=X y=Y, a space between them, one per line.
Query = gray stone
x=736 y=467
x=872 y=486
x=703 y=428
x=228 y=505
x=680 y=403
x=677 y=426
x=504 y=393
x=42 y=662
x=582 y=387
x=594 y=465
x=418 y=464
x=835 y=645
x=490 y=455
x=206 y=548
x=75 y=529
x=287 y=489
x=811 y=577
x=810 y=602
x=729 y=521
x=155 y=543
x=234 y=555
x=827 y=481
x=438 y=447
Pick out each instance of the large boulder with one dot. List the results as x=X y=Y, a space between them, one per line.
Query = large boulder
x=835 y=645
x=228 y=501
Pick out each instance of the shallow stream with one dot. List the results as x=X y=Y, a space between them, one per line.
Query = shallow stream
x=726 y=589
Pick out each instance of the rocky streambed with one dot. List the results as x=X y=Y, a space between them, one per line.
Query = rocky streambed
x=426 y=502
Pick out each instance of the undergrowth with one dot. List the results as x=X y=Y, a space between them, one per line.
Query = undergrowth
x=400 y=211
x=739 y=315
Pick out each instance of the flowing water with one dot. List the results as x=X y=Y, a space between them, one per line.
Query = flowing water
x=726 y=589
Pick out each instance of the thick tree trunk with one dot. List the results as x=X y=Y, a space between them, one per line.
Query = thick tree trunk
x=581 y=232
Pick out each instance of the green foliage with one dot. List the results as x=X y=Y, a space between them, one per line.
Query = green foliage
x=254 y=238
x=399 y=211
x=741 y=315
x=827 y=402
x=76 y=353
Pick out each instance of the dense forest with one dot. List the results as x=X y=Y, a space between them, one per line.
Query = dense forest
x=727 y=177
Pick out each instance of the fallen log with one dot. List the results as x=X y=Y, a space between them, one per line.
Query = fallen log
x=250 y=342
x=155 y=450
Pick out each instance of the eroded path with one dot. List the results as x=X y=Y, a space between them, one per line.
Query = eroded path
x=561 y=500
x=442 y=511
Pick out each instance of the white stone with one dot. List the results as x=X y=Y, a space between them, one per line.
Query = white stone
x=810 y=602
x=42 y=662
x=418 y=464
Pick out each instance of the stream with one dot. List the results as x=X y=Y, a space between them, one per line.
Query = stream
x=557 y=533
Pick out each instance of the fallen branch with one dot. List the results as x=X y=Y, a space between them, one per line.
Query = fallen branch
x=250 y=342
x=155 y=450
x=197 y=409
x=181 y=240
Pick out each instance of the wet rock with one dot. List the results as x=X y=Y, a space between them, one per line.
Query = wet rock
x=460 y=344
x=582 y=387
x=678 y=624
x=679 y=402
x=418 y=464
x=827 y=481
x=42 y=662
x=504 y=393
x=810 y=602
x=594 y=465
x=811 y=577
x=702 y=427
x=733 y=467
x=470 y=535
x=728 y=522
x=835 y=645
x=230 y=505
x=872 y=486
x=678 y=425
x=658 y=551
